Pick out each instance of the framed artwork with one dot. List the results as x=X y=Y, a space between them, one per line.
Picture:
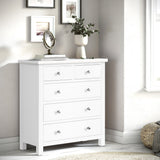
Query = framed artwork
x=70 y=8
x=40 y=3
x=39 y=24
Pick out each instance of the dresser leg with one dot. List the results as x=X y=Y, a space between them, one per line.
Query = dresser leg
x=101 y=142
x=23 y=146
x=39 y=150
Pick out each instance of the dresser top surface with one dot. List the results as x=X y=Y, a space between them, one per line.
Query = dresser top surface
x=96 y=60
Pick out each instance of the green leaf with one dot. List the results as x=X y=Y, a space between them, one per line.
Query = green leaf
x=80 y=28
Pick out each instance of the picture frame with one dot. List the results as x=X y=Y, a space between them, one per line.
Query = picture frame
x=70 y=8
x=39 y=24
x=40 y=3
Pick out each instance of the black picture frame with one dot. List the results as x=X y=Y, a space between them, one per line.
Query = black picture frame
x=63 y=10
x=36 y=5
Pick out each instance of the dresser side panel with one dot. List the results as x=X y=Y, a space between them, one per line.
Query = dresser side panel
x=103 y=100
x=29 y=103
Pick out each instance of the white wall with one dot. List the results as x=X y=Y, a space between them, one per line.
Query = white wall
x=112 y=46
x=14 y=45
x=122 y=39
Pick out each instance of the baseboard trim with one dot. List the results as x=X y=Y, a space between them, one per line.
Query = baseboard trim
x=9 y=144
x=128 y=137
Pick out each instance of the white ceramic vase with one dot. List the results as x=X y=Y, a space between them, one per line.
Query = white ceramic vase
x=81 y=42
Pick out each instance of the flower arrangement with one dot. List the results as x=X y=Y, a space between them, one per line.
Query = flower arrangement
x=79 y=28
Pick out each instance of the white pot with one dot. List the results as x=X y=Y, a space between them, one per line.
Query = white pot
x=81 y=42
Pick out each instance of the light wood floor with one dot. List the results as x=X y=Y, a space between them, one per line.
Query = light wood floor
x=71 y=149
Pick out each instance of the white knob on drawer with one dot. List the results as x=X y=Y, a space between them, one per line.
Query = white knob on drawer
x=58 y=132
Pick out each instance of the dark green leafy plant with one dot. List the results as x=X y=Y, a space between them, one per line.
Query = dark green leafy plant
x=81 y=29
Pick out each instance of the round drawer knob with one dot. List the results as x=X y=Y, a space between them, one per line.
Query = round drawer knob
x=88 y=72
x=58 y=73
x=58 y=92
x=88 y=128
x=88 y=90
x=88 y=109
x=58 y=132
x=58 y=112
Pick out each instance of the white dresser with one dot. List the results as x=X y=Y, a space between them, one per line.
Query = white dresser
x=62 y=102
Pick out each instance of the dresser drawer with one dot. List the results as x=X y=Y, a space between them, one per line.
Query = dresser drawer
x=88 y=71
x=53 y=73
x=64 y=111
x=54 y=132
x=65 y=91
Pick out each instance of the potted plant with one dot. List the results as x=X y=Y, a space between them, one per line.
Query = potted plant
x=82 y=32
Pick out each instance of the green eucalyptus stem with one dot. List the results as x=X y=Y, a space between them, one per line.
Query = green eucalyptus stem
x=81 y=29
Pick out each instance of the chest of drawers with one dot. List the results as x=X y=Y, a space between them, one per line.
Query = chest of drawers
x=62 y=102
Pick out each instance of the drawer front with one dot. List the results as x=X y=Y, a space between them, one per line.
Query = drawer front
x=64 y=111
x=54 y=132
x=57 y=73
x=65 y=91
x=88 y=71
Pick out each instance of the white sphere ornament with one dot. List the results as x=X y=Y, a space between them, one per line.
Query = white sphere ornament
x=81 y=42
